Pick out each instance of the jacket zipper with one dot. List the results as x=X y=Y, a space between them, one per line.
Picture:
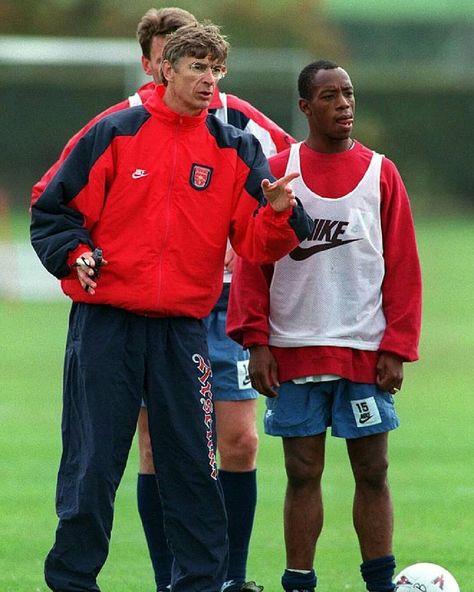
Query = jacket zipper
x=168 y=204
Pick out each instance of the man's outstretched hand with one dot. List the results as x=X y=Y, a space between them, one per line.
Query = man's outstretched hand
x=279 y=193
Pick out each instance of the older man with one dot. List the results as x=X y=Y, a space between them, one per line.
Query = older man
x=147 y=184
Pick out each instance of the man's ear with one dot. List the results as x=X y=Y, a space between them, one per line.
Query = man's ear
x=304 y=106
x=146 y=66
x=167 y=71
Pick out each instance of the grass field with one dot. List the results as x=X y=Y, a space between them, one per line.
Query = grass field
x=432 y=474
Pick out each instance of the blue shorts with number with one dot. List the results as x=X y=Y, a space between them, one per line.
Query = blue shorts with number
x=351 y=409
x=229 y=362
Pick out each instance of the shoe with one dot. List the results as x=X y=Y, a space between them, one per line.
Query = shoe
x=251 y=587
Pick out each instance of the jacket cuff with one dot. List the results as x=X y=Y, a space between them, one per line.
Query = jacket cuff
x=280 y=218
x=254 y=338
x=78 y=251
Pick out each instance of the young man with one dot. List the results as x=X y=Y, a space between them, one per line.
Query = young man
x=330 y=325
x=234 y=399
x=140 y=184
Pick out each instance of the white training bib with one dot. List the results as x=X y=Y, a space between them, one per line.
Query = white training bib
x=327 y=291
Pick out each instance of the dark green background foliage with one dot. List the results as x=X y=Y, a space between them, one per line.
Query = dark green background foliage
x=410 y=62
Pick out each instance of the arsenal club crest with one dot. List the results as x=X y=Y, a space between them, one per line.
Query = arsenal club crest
x=200 y=176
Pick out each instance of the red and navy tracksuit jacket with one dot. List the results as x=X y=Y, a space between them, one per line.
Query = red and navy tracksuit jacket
x=228 y=108
x=160 y=193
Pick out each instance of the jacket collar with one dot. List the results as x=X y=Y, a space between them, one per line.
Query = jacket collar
x=157 y=107
x=216 y=102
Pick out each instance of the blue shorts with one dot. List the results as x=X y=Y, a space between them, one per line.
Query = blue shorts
x=352 y=410
x=229 y=362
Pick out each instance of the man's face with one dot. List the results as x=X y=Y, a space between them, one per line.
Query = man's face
x=152 y=66
x=191 y=83
x=330 y=111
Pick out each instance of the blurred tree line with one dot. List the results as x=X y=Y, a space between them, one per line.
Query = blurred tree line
x=414 y=84
x=248 y=23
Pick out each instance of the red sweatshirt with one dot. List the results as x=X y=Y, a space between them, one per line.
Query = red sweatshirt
x=334 y=176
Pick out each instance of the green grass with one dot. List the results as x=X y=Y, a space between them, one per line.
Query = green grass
x=431 y=454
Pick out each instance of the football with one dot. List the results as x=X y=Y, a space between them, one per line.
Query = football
x=425 y=577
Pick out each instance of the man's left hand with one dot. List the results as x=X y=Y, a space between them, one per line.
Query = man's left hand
x=389 y=372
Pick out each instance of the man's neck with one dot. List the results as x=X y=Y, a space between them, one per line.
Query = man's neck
x=176 y=104
x=331 y=146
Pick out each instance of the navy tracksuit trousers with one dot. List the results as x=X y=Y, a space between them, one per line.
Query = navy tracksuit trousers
x=114 y=359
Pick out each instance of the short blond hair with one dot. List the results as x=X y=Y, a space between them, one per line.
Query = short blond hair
x=159 y=23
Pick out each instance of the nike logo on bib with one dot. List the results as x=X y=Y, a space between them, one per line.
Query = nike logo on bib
x=323 y=230
x=299 y=254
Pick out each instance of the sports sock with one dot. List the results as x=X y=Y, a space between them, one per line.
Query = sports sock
x=378 y=574
x=240 y=495
x=151 y=514
x=293 y=580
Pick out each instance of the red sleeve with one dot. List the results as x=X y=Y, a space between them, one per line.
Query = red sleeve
x=40 y=186
x=402 y=288
x=257 y=232
x=261 y=235
x=249 y=300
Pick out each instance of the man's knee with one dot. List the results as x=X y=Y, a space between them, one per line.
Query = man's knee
x=304 y=460
x=369 y=460
x=237 y=437
x=302 y=470
x=238 y=451
x=371 y=473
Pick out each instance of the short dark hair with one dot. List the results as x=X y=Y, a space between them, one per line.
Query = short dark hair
x=306 y=76
x=159 y=23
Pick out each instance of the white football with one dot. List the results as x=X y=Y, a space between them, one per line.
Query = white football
x=425 y=577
